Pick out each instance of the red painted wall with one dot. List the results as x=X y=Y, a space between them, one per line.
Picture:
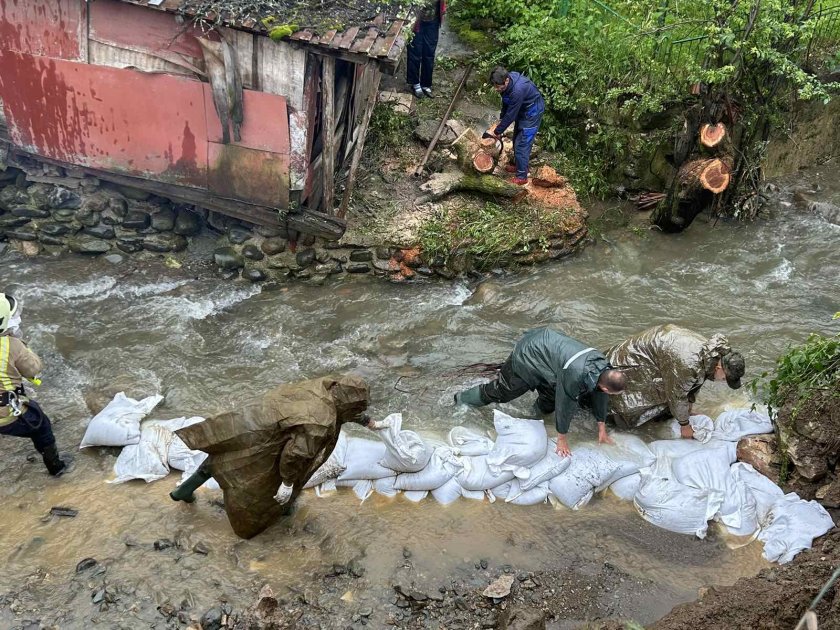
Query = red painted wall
x=157 y=126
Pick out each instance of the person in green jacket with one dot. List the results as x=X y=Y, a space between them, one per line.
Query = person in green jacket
x=566 y=374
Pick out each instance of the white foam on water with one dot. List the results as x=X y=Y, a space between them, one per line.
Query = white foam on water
x=98 y=286
x=200 y=308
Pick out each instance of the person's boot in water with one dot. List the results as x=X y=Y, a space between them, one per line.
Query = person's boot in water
x=185 y=492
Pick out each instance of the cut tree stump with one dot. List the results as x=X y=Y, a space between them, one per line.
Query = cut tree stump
x=483 y=162
x=491 y=146
x=712 y=135
x=712 y=174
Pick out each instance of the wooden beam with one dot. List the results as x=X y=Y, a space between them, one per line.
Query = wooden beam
x=371 y=80
x=328 y=130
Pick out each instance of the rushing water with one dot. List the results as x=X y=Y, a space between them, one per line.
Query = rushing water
x=209 y=345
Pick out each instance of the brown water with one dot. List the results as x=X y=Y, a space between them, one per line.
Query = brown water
x=208 y=345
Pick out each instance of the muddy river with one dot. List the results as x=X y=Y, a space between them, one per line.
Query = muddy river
x=207 y=345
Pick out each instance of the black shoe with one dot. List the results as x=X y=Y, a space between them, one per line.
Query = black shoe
x=185 y=491
x=56 y=466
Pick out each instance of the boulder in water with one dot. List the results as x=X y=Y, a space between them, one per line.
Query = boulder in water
x=273 y=245
x=89 y=245
x=252 y=252
x=228 y=258
x=29 y=212
x=253 y=274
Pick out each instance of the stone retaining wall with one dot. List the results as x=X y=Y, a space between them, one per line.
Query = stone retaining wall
x=47 y=210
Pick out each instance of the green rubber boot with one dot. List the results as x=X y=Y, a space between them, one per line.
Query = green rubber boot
x=185 y=491
x=471 y=397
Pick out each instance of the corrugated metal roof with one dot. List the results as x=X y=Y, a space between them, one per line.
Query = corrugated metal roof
x=372 y=29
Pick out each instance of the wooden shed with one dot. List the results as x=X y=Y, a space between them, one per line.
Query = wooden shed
x=256 y=116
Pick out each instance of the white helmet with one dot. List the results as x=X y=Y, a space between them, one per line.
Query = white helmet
x=8 y=307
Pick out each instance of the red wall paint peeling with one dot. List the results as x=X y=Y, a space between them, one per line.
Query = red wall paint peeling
x=49 y=28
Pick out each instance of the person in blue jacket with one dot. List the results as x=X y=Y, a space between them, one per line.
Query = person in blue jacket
x=523 y=105
x=567 y=375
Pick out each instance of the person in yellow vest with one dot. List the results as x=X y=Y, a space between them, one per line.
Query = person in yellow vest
x=19 y=416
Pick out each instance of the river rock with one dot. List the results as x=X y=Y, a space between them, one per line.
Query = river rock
x=361 y=255
x=110 y=217
x=11 y=196
x=86 y=244
x=329 y=268
x=46 y=239
x=100 y=231
x=164 y=242
x=10 y=222
x=97 y=202
x=305 y=257
x=212 y=619
x=64 y=215
x=22 y=234
x=500 y=587
x=130 y=245
x=762 y=453
x=201 y=549
x=357 y=268
x=322 y=255
x=318 y=279
x=273 y=245
x=88 y=219
x=522 y=617
x=252 y=252
x=238 y=235
x=29 y=212
x=163 y=220
x=85 y=564
x=64 y=198
x=136 y=220
x=187 y=223
x=228 y=258
x=39 y=195
x=114 y=259
x=383 y=253
x=253 y=274
x=130 y=192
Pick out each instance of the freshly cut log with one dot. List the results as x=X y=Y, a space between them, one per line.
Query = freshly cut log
x=483 y=162
x=712 y=135
x=442 y=184
x=491 y=146
x=712 y=174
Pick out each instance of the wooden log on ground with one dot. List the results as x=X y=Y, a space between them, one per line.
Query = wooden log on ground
x=712 y=174
x=712 y=135
x=483 y=162
x=442 y=184
x=491 y=146
x=316 y=223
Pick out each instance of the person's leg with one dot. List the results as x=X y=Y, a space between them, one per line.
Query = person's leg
x=523 y=143
x=185 y=491
x=35 y=425
x=431 y=33
x=506 y=387
x=412 y=66
x=545 y=401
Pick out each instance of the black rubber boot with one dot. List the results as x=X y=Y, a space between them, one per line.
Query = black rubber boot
x=55 y=465
x=471 y=397
x=185 y=491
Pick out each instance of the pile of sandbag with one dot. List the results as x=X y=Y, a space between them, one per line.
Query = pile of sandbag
x=519 y=466
x=150 y=447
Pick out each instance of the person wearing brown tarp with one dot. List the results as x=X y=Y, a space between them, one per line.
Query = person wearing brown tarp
x=263 y=453
x=665 y=368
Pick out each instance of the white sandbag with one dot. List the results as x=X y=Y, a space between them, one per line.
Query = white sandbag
x=764 y=491
x=590 y=468
x=626 y=487
x=793 y=525
x=629 y=454
x=118 y=424
x=674 y=449
x=469 y=443
x=442 y=467
x=333 y=466
x=670 y=505
x=385 y=486
x=361 y=461
x=406 y=451
x=447 y=493
x=363 y=489
x=729 y=426
x=180 y=456
x=146 y=460
x=415 y=496
x=514 y=493
x=474 y=495
x=519 y=444
x=546 y=469
x=477 y=476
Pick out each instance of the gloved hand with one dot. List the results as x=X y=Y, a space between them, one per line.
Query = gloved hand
x=284 y=493
x=379 y=425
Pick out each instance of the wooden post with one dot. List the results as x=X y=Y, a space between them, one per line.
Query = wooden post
x=371 y=79
x=328 y=131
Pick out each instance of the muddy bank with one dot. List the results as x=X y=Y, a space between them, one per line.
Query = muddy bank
x=775 y=599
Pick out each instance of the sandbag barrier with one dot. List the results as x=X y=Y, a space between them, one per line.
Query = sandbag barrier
x=679 y=485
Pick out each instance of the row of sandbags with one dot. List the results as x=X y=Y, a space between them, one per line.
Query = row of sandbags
x=679 y=485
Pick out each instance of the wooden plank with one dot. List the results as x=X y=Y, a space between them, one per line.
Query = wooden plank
x=281 y=67
x=390 y=38
x=303 y=36
x=363 y=46
x=372 y=90
x=348 y=37
x=328 y=131
x=327 y=39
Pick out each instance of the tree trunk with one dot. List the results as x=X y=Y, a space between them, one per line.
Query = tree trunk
x=711 y=174
x=442 y=184
x=712 y=135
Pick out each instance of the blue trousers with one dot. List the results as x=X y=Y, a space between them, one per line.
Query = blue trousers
x=524 y=133
x=33 y=424
x=421 y=54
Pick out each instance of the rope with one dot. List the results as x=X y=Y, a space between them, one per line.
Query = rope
x=810 y=615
